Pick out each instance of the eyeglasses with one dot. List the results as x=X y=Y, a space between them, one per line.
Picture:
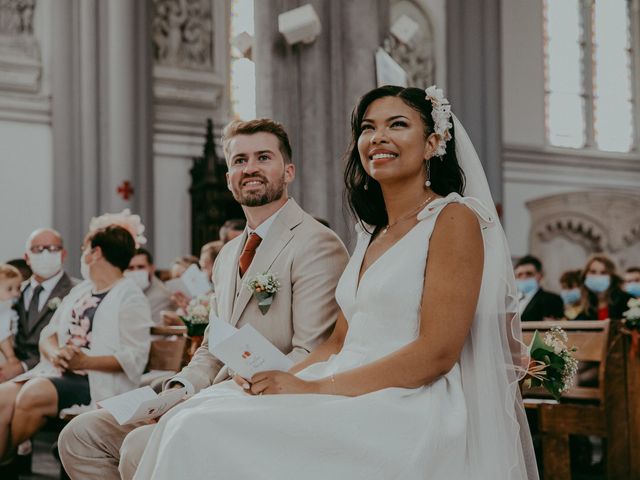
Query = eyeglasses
x=48 y=248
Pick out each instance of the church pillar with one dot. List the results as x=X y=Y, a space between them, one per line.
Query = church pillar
x=473 y=77
x=312 y=89
x=125 y=169
x=100 y=114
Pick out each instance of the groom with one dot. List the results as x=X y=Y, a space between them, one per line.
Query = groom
x=306 y=257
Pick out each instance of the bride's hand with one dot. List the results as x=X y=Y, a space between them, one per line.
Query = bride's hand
x=274 y=383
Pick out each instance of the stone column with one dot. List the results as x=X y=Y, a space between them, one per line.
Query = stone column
x=473 y=77
x=312 y=89
x=101 y=87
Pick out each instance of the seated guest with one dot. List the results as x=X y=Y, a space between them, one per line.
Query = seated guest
x=142 y=271
x=571 y=293
x=602 y=294
x=39 y=299
x=208 y=254
x=632 y=281
x=10 y=280
x=180 y=264
x=97 y=342
x=22 y=266
x=231 y=229
x=535 y=302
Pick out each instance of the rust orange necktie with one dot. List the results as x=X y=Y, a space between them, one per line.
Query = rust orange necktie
x=248 y=252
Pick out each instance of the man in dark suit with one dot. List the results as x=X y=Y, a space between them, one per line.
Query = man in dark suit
x=40 y=297
x=535 y=303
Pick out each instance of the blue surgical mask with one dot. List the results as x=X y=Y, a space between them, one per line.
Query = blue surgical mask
x=633 y=288
x=569 y=297
x=597 y=283
x=527 y=286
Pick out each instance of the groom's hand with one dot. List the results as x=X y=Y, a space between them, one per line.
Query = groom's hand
x=275 y=382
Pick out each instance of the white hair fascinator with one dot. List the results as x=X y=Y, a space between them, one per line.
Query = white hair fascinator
x=441 y=114
x=124 y=219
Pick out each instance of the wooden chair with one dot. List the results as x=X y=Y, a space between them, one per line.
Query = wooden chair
x=598 y=411
x=166 y=353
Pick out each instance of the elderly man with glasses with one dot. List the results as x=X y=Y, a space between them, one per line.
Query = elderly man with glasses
x=40 y=297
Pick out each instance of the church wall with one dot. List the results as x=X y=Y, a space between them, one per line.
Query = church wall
x=26 y=190
x=531 y=168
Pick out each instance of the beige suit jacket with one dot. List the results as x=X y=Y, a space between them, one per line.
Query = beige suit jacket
x=308 y=260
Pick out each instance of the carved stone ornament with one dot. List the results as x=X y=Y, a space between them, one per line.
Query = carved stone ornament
x=183 y=34
x=411 y=42
x=593 y=222
x=417 y=61
x=20 y=66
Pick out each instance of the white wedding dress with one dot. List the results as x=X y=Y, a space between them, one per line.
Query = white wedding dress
x=395 y=433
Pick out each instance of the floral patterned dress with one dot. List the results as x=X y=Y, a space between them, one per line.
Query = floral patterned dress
x=73 y=386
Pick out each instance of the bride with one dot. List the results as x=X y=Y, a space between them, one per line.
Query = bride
x=418 y=378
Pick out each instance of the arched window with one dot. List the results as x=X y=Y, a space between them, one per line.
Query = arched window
x=589 y=74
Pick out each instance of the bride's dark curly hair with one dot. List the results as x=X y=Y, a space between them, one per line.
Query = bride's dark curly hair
x=368 y=205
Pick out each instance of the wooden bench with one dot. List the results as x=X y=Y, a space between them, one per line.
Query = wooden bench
x=167 y=352
x=584 y=410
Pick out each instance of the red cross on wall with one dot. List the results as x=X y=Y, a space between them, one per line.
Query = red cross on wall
x=125 y=190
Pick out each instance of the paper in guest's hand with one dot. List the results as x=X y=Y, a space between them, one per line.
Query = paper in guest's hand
x=192 y=282
x=245 y=350
x=141 y=404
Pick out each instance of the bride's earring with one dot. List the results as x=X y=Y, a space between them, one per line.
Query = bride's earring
x=428 y=182
x=366 y=183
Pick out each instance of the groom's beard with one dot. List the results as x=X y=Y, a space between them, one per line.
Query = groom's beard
x=269 y=193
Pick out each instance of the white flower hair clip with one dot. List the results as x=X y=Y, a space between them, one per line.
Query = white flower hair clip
x=124 y=219
x=441 y=114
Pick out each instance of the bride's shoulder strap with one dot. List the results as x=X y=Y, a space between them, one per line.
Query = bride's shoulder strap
x=434 y=208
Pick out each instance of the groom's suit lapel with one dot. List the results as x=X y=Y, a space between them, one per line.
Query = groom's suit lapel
x=280 y=234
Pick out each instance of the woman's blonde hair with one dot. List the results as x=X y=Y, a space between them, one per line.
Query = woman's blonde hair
x=9 y=271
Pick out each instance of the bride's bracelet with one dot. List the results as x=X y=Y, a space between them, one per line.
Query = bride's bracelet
x=333 y=383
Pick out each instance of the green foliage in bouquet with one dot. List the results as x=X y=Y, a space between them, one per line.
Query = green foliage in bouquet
x=553 y=365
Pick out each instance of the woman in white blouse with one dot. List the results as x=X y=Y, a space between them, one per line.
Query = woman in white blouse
x=96 y=345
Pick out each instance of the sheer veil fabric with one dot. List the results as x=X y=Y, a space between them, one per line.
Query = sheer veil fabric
x=498 y=438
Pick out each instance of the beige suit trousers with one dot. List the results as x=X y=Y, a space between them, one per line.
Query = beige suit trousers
x=93 y=446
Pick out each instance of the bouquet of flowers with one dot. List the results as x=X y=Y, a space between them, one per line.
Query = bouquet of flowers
x=196 y=317
x=264 y=287
x=552 y=365
x=631 y=324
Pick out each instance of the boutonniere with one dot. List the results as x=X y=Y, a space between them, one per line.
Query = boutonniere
x=263 y=287
x=54 y=303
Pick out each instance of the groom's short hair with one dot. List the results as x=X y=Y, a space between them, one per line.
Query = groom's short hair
x=239 y=127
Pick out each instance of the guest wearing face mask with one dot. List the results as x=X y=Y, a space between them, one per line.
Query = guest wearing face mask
x=142 y=271
x=571 y=293
x=39 y=297
x=602 y=294
x=95 y=347
x=535 y=303
x=632 y=281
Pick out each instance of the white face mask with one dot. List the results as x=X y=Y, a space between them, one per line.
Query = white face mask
x=140 y=277
x=45 y=264
x=84 y=268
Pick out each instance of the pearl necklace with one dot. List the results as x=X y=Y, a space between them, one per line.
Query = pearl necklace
x=408 y=215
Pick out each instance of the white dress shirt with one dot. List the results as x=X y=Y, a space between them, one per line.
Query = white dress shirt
x=524 y=300
x=47 y=287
